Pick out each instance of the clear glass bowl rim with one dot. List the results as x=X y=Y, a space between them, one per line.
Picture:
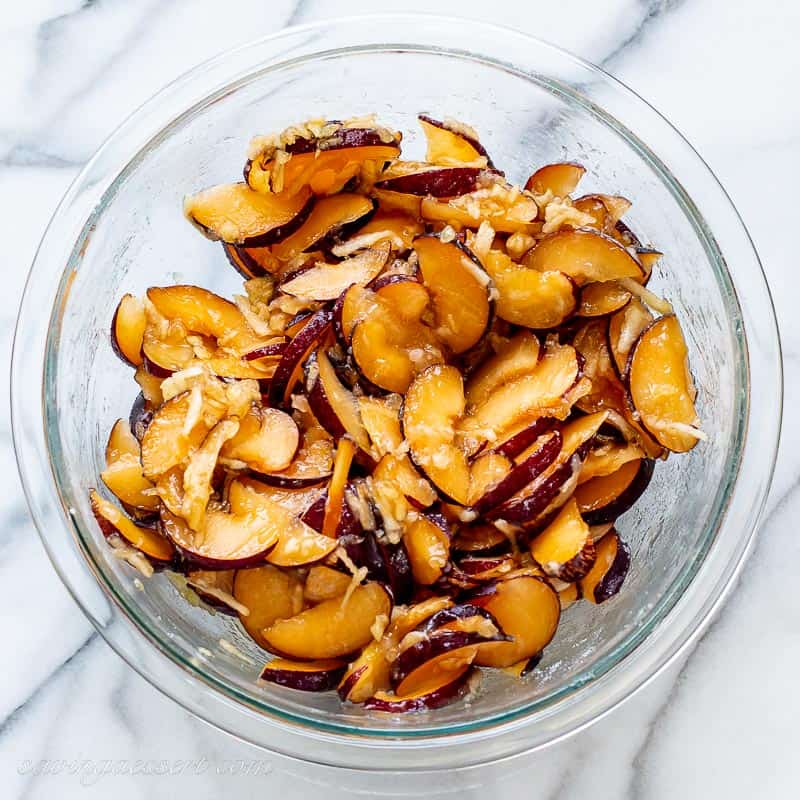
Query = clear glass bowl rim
x=691 y=608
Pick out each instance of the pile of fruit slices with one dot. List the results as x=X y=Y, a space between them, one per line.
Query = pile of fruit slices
x=402 y=451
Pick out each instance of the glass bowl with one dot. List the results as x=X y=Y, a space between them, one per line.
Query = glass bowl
x=120 y=229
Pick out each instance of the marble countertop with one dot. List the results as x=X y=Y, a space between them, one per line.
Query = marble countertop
x=720 y=723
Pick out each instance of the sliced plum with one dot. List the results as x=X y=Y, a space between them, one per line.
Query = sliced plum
x=460 y=291
x=325 y=583
x=433 y=405
x=603 y=298
x=405 y=293
x=236 y=214
x=518 y=357
x=333 y=404
x=314 y=330
x=603 y=499
x=327 y=281
x=305 y=676
x=531 y=298
x=565 y=548
x=331 y=217
x=297 y=544
x=549 y=390
x=394 y=227
x=585 y=255
x=427 y=541
x=661 y=386
x=389 y=349
x=527 y=609
x=331 y=629
x=123 y=473
x=267 y=440
x=609 y=571
x=431 y=181
x=624 y=328
x=445 y=687
x=268 y=594
x=146 y=540
x=324 y=159
x=560 y=179
x=127 y=329
x=451 y=143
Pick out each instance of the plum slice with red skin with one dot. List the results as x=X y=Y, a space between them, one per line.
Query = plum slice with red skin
x=333 y=404
x=427 y=541
x=527 y=609
x=445 y=651
x=297 y=544
x=437 y=181
x=405 y=293
x=112 y=521
x=524 y=437
x=127 y=329
x=480 y=539
x=325 y=162
x=607 y=456
x=450 y=142
x=532 y=463
x=123 y=474
x=584 y=254
x=484 y=568
x=537 y=499
x=140 y=416
x=214 y=588
x=312 y=466
x=433 y=404
x=314 y=331
x=314 y=516
x=516 y=358
x=227 y=540
x=602 y=298
x=552 y=488
x=331 y=218
x=327 y=281
x=532 y=298
x=609 y=571
x=605 y=210
x=274 y=349
x=397 y=228
x=510 y=211
x=268 y=594
x=460 y=291
x=561 y=178
x=266 y=441
x=305 y=676
x=202 y=312
x=603 y=499
x=624 y=328
x=236 y=214
x=565 y=548
x=443 y=689
x=388 y=348
x=548 y=391
x=463 y=618
x=661 y=386
x=251 y=262
x=333 y=628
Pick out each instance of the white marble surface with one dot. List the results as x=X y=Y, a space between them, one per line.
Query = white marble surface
x=719 y=724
